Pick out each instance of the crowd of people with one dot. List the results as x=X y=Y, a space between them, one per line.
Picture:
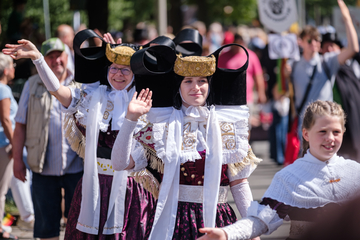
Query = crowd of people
x=145 y=139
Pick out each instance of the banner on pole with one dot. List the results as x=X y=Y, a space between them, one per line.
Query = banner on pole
x=277 y=15
x=283 y=46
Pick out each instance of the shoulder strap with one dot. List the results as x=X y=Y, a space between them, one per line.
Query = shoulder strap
x=326 y=69
x=308 y=88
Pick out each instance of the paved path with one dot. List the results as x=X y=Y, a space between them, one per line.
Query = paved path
x=259 y=182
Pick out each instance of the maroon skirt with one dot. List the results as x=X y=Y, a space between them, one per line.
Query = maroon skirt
x=189 y=219
x=139 y=203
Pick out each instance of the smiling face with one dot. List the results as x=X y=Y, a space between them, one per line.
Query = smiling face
x=119 y=76
x=324 y=137
x=194 y=91
x=57 y=62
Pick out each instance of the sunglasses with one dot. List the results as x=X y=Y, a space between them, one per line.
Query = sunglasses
x=309 y=41
x=124 y=71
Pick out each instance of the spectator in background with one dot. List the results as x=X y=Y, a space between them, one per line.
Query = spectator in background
x=234 y=59
x=8 y=108
x=143 y=34
x=215 y=36
x=201 y=27
x=346 y=92
x=324 y=68
x=279 y=126
x=66 y=35
x=39 y=126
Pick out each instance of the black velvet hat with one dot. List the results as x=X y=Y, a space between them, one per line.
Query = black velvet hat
x=153 y=69
x=188 y=42
x=330 y=37
x=91 y=63
x=228 y=86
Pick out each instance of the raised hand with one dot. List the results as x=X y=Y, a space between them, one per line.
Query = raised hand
x=25 y=49
x=139 y=105
x=344 y=10
x=109 y=39
x=213 y=234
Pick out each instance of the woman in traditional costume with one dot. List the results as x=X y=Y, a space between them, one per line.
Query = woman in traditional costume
x=193 y=151
x=95 y=113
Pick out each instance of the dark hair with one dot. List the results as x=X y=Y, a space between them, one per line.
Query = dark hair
x=177 y=98
x=140 y=34
x=238 y=37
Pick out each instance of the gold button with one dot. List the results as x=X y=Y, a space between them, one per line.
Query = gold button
x=182 y=169
x=193 y=176
x=203 y=177
x=199 y=182
x=185 y=174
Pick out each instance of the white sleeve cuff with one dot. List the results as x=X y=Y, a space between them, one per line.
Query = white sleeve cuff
x=244 y=229
x=120 y=155
x=266 y=215
x=138 y=155
x=48 y=77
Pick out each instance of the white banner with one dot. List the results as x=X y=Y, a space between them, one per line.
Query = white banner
x=339 y=24
x=277 y=15
x=283 y=46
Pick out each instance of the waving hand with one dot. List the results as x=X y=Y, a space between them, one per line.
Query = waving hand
x=139 y=105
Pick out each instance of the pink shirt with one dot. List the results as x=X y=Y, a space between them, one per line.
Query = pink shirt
x=230 y=60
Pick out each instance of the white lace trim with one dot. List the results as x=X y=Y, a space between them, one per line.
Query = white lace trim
x=138 y=155
x=80 y=106
x=245 y=228
x=159 y=128
x=234 y=149
x=266 y=215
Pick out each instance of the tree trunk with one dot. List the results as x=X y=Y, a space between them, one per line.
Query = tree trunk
x=203 y=12
x=175 y=16
x=98 y=13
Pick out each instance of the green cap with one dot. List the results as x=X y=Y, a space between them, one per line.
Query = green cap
x=52 y=44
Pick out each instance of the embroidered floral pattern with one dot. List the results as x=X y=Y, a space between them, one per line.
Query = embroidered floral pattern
x=189 y=138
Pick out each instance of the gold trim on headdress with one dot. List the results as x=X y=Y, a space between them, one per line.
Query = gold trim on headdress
x=119 y=55
x=195 y=66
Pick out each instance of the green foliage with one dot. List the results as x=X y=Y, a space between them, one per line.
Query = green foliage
x=10 y=206
x=244 y=11
x=119 y=10
x=326 y=6
x=34 y=11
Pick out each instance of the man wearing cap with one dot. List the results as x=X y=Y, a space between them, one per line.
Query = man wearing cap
x=39 y=122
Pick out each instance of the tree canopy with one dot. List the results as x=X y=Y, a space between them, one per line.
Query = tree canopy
x=115 y=15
